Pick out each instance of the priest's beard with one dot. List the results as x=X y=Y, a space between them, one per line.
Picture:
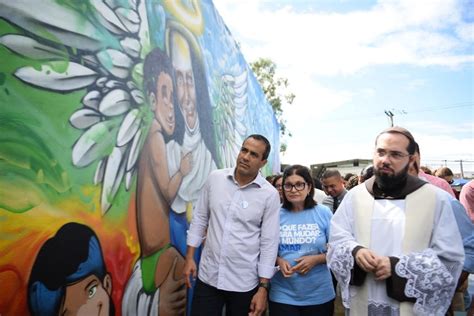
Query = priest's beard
x=391 y=182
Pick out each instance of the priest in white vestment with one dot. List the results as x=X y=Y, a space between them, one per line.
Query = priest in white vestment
x=394 y=245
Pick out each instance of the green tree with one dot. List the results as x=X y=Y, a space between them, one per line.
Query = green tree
x=276 y=92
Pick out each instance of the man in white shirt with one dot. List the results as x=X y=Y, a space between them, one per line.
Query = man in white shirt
x=237 y=214
x=394 y=245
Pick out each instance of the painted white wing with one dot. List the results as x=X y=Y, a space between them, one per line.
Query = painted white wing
x=229 y=116
x=73 y=56
x=57 y=75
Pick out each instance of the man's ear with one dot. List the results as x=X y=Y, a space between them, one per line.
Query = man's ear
x=107 y=284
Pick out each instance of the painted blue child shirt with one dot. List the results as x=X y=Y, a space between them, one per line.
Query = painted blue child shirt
x=303 y=233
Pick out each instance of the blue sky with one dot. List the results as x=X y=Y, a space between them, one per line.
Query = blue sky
x=349 y=61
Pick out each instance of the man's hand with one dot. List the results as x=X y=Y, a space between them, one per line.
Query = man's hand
x=172 y=295
x=384 y=269
x=285 y=267
x=189 y=271
x=366 y=259
x=258 y=305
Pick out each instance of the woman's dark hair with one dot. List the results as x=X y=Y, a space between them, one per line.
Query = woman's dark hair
x=275 y=179
x=303 y=172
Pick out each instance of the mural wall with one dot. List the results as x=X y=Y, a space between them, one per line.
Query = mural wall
x=112 y=114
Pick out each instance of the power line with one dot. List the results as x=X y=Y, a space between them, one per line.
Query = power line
x=378 y=115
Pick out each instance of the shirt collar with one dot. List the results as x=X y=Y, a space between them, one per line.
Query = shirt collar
x=259 y=180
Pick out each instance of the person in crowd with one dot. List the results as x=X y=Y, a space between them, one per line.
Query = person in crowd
x=446 y=174
x=277 y=183
x=304 y=285
x=333 y=184
x=393 y=232
x=237 y=214
x=426 y=170
x=466 y=228
x=416 y=171
x=466 y=197
x=319 y=194
x=270 y=178
x=366 y=173
x=347 y=177
x=352 y=182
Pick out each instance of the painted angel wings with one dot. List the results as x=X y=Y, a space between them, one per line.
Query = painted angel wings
x=97 y=46
x=229 y=116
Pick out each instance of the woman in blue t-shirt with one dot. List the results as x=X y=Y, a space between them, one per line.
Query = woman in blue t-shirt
x=304 y=285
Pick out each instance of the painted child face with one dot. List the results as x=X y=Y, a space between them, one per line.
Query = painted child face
x=88 y=297
x=164 y=107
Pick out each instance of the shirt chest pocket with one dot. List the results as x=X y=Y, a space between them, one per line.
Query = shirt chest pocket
x=250 y=212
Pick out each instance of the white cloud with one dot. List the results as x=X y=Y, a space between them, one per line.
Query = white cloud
x=311 y=46
x=330 y=43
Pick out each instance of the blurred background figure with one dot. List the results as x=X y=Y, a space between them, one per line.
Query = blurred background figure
x=446 y=174
x=333 y=184
x=352 y=182
x=277 y=183
x=426 y=170
x=467 y=198
x=270 y=178
x=347 y=177
x=366 y=173
x=319 y=194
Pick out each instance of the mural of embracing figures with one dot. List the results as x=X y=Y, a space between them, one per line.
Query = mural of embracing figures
x=113 y=113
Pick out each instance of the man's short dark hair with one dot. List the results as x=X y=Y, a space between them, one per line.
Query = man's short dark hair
x=331 y=173
x=417 y=148
x=263 y=139
x=402 y=131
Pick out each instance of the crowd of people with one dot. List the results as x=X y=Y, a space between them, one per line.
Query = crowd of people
x=392 y=240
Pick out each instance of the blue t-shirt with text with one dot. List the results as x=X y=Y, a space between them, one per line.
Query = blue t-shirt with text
x=303 y=233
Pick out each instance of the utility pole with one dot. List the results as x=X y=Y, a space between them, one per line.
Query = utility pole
x=390 y=116
x=462 y=171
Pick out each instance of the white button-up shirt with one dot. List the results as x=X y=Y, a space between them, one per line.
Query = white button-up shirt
x=241 y=228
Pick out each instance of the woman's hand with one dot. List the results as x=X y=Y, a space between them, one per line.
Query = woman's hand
x=285 y=267
x=306 y=263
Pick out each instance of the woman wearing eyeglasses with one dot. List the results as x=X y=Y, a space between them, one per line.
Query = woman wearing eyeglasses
x=304 y=285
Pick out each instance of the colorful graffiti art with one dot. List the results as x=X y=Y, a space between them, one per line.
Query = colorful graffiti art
x=112 y=115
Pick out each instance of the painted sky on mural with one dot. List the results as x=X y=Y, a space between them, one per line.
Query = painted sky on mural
x=350 y=60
